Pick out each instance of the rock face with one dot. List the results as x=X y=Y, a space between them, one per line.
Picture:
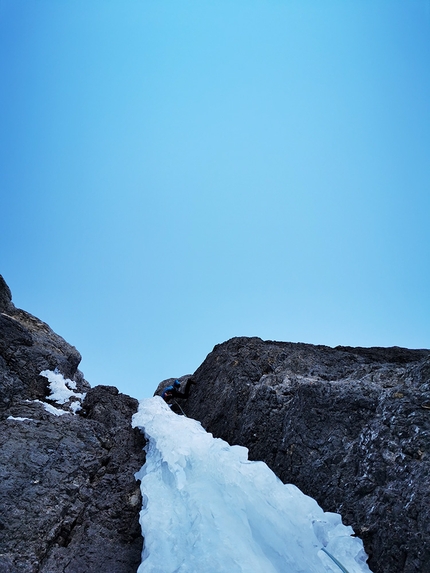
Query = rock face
x=349 y=426
x=69 y=502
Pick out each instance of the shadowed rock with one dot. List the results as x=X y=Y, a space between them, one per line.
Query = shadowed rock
x=69 y=502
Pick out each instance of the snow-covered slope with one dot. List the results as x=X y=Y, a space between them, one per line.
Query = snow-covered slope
x=207 y=509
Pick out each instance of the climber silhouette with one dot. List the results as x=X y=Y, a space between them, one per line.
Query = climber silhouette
x=173 y=391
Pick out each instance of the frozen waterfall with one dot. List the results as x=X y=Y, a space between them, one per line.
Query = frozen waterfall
x=207 y=509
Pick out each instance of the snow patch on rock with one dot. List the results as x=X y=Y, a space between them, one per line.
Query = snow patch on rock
x=62 y=392
x=51 y=409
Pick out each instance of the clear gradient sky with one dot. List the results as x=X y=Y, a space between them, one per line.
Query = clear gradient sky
x=177 y=172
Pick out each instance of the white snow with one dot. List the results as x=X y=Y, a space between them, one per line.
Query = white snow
x=18 y=418
x=75 y=406
x=61 y=388
x=52 y=409
x=207 y=509
x=62 y=392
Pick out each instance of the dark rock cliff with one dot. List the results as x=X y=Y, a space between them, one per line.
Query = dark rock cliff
x=349 y=426
x=69 y=502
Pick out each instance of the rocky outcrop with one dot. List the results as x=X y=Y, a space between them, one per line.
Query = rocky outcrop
x=349 y=426
x=69 y=502
x=27 y=347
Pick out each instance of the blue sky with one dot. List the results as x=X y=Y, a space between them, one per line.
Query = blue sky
x=175 y=173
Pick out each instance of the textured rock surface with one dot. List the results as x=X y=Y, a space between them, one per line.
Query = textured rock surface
x=69 y=502
x=349 y=426
x=27 y=347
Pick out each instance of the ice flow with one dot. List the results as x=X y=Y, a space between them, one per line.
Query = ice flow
x=207 y=509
